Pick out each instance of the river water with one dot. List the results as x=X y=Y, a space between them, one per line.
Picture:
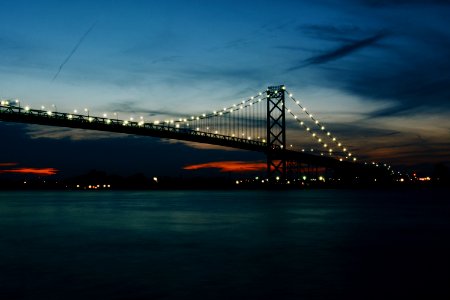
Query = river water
x=307 y=244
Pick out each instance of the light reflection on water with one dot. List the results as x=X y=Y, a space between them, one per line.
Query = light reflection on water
x=311 y=244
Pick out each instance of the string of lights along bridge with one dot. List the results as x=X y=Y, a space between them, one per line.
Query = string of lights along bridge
x=271 y=121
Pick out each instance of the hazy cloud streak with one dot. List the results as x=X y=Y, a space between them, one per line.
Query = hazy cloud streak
x=340 y=52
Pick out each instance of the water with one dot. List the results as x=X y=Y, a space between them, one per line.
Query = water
x=312 y=244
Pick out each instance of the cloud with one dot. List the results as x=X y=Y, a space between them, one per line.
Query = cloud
x=9 y=164
x=58 y=133
x=381 y=3
x=132 y=106
x=33 y=171
x=340 y=52
x=25 y=170
x=230 y=166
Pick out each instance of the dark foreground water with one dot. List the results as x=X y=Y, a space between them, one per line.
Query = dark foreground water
x=314 y=244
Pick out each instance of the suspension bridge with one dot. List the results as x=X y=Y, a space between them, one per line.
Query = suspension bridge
x=259 y=123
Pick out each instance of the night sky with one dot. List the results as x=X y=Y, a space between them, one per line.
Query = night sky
x=376 y=72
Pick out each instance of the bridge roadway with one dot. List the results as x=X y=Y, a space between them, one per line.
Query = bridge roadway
x=10 y=113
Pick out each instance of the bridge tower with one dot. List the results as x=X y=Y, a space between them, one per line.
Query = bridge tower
x=276 y=134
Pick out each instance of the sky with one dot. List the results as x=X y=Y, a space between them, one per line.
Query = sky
x=376 y=72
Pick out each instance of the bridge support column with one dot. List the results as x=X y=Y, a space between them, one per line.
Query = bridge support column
x=276 y=134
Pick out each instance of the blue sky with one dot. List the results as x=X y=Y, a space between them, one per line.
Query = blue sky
x=377 y=72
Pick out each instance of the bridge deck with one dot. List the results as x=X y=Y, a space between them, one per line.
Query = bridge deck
x=10 y=113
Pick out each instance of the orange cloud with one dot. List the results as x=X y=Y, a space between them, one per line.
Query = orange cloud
x=230 y=166
x=8 y=164
x=34 y=171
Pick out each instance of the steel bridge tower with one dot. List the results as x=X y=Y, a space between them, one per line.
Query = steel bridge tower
x=276 y=134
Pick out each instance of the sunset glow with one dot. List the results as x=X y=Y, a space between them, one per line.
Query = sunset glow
x=34 y=171
x=230 y=166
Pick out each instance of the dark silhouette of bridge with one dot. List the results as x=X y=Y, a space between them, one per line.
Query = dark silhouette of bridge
x=258 y=123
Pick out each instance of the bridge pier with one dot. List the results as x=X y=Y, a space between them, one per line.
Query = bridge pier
x=276 y=134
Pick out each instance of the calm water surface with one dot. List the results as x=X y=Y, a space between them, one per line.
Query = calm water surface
x=311 y=244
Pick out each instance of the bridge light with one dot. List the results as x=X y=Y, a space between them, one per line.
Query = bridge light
x=215 y=112
x=141 y=117
x=340 y=159
x=303 y=150
x=349 y=154
x=290 y=95
x=339 y=144
x=301 y=123
x=108 y=121
x=354 y=158
x=243 y=101
x=192 y=117
x=331 y=150
x=264 y=140
x=198 y=129
x=241 y=107
x=198 y=118
x=295 y=117
x=298 y=102
x=69 y=117
x=311 y=116
x=185 y=120
x=317 y=121
x=204 y=115
x=289 y=110
x=319 y=140
x=90 y=119
x=323 y=127
x=177 y=126
x=325 y=145
x=105 y=115
x=220 y=113
x=49 y=113
x=42 y=107
x=307 y=129
x=345 y=149
x=27 y=108
x=259 y=100
x=156 y=122
x=312 y=150
x=304 y=108
x=314 y=134
x=216 y=132
x=260 y=93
